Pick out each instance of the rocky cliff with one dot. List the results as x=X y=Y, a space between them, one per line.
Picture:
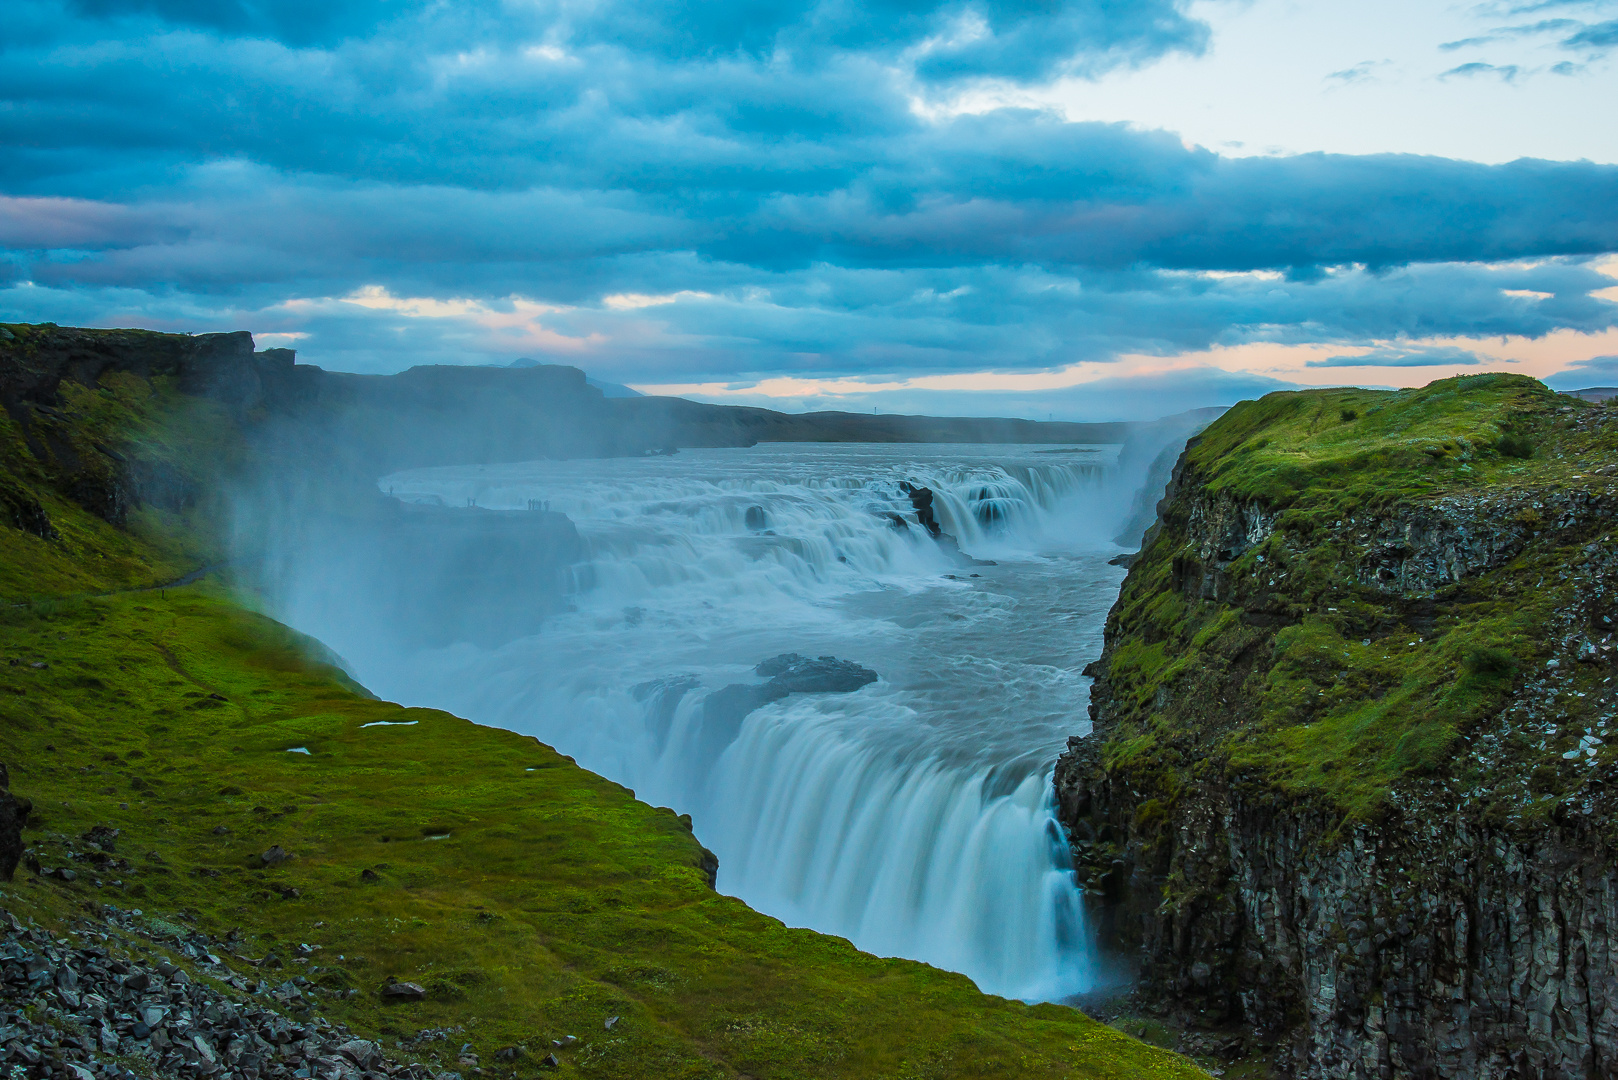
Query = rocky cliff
x=1348 y=796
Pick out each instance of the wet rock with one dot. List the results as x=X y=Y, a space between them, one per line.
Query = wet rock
x=612 y=1022
x=550 y=1061
x=756 y=519
x=799 y=674
x=922 y=499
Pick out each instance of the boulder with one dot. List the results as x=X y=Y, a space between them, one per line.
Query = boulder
x=274 y=856
x=793 y=673
x=393 y=990
x=922 y=499
x=13 y=816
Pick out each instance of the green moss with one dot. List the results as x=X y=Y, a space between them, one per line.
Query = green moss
x=1291 y=446
x=1308 y=683
x=129 y=433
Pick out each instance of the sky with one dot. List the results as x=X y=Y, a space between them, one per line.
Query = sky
x=1068 y=209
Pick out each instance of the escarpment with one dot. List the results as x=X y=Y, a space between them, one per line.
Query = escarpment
x=1350 y=790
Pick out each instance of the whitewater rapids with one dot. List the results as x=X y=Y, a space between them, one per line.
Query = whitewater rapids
x=914 y=816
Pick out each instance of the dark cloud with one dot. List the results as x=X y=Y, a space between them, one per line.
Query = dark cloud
x=1397 y=357
x=939 y=39
x=1596 y=371
x=1597 y=36
x=297 y=22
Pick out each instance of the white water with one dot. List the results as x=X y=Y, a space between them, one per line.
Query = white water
x=913 y=816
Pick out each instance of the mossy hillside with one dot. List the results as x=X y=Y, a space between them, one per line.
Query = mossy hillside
x=145 y=460
x=1311 y=684
x=1341 y=450
x=533 y=899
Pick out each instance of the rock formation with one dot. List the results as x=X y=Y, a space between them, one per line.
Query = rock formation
x=1349 y=793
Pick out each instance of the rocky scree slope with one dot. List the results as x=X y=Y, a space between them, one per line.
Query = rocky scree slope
x=106 y=997
x=1350 y=789
x=305 y=879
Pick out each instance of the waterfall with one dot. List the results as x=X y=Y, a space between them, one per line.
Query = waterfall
x=913 y=816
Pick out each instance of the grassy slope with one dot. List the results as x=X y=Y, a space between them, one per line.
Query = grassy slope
x=1350 y=699
x=170 y=433
x=554 y=901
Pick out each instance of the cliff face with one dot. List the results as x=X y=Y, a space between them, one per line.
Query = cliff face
x=1349 y=792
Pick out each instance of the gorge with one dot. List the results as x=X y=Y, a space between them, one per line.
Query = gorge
x=1344 y=807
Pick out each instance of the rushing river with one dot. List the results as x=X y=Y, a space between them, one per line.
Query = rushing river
x=913 y=816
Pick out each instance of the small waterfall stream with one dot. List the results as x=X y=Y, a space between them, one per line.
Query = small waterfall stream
x=913 y=816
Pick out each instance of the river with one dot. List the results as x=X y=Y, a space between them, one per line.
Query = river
x=912 y=816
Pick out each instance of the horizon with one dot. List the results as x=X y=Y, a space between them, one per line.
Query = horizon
x=958 y=209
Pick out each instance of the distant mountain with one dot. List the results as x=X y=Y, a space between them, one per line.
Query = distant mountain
x=1594 y=393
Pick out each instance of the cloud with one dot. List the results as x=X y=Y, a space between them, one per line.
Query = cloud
x=1504 y=72
x=1508 y=33
x=1362 y=72
x=296 y=22
x=1143 y=396
x=684 y=192
x=1386 y=356
x=940 y=39
x=1596 y=371
x=1598 y=36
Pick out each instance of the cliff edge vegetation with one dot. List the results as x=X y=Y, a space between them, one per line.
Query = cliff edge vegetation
x=1347 y=792
x=209 y=800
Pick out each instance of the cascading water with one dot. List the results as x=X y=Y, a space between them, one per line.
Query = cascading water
x=913 y=816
